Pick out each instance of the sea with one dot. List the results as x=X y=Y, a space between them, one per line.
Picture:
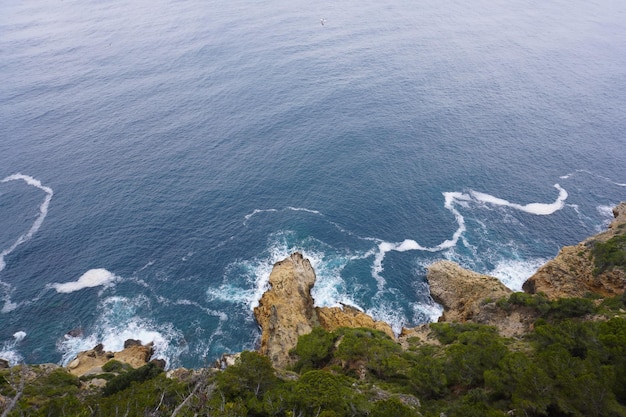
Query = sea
x=158 y=157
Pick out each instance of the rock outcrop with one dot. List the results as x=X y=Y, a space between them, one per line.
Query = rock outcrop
x=332 y=318
x=468 y=296
x=286 y=311
x=91 y=361
x=461 y=292
x=572 y=272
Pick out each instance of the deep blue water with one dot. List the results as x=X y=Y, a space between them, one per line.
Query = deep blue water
x=158 y=157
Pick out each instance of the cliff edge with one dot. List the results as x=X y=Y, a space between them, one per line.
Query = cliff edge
x=577 y=271
x=286 y=311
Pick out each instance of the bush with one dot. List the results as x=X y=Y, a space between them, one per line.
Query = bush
x=609 y=254
x=115 y=366
x=448 y=333
x=391 y=407
x=373 y=348
x=314 y=350
x=123 y=381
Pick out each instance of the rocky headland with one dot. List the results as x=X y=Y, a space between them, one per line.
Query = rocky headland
x=595 y=269
x=286 y=311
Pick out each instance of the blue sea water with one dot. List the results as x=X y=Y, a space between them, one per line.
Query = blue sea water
x=156 y=158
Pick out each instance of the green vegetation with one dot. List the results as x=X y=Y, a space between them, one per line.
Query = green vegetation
x=556 y=309
x=609 y=254
x=567 y=365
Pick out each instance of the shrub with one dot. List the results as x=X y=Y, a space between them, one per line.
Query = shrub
x=115 y=366
x=123 y=381
x=609 y=254
x=314 y=350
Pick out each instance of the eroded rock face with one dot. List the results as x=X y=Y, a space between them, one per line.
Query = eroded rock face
x=571 y=272
x=286 y=311
x=90 y=362
x=332 y=318
x=462 y=292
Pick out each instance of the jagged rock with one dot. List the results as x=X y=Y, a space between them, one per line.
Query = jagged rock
x=90 y=362
x=286 y=311
x=571 y=272
x=132 y=342
x=461 y=292
x=4 y=364
x=332 y=318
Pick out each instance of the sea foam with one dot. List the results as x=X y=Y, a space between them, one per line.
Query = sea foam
x=92 y=278
x=43 y=212
x=120 y=319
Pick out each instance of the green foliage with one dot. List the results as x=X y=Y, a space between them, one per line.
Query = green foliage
x=565 y=367
x=391 y=407
x=427 y=374
x=253 y=374
x=557 y=309
x=318 y=391
x=123 y=381
x=571 y=307
x=474 y=353
x=156 y=396
x=115 y=366
x=448 y=333
x=609 y=254
x=373 y=348
x=314 y=350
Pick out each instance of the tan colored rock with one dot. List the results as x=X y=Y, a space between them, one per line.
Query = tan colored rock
x=571 y=272
x=332 y=318
x=286 y=311
x=461 y=292
x=135 y=356
x=91 y=361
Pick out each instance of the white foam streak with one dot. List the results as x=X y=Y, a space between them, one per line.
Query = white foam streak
x=90 y=279
x=43 y=211
x=540 y=209
x=451 y=201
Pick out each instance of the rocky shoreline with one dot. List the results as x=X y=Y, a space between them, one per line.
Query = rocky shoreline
x=286 y=311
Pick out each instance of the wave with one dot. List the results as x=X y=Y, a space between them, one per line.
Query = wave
x=513 y=273
x=8 y=350
x=120 y=320
x=43 y=212
x=92 y=278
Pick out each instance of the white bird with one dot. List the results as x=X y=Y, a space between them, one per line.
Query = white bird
x=322 y=21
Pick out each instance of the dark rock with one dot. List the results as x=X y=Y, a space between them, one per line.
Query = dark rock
x=4 y=364
x=159 y=363
x=131 y=342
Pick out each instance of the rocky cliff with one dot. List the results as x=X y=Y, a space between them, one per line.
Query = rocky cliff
x=468 y=296
x=573 y=272
x=286 y=311
x=90 y=362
